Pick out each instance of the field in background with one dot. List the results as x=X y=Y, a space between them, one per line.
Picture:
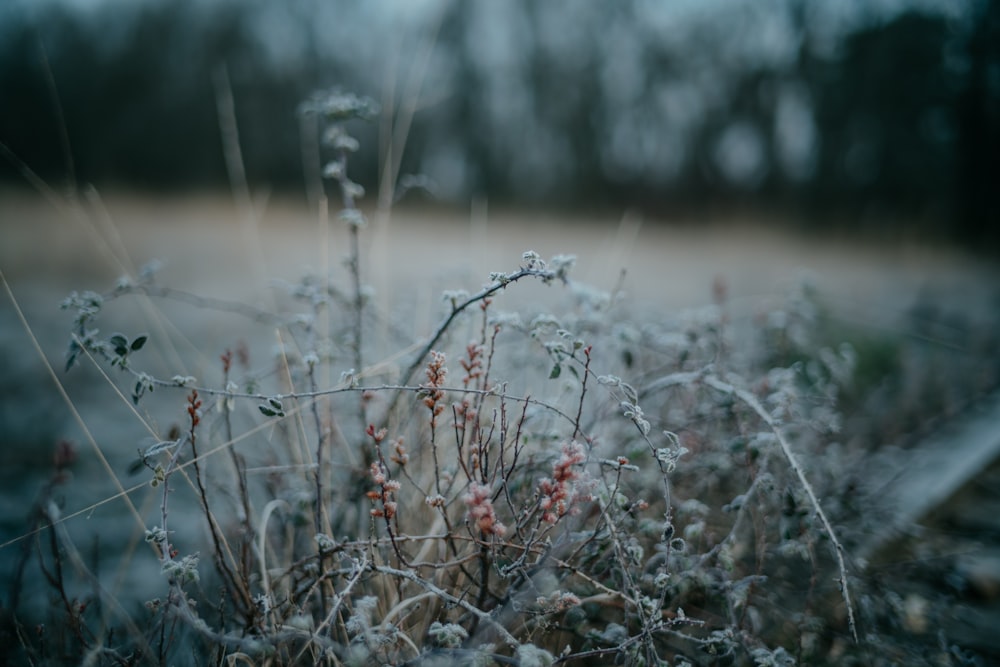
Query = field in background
x=206 y=244
x=208 y=247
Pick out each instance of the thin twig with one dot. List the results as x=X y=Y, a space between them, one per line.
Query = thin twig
x=544 y=274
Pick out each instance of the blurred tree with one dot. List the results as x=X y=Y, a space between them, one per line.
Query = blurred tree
x=813 y=108
x=886 y=113
x=979 y=130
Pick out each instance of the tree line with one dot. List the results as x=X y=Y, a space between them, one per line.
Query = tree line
x=893 y=121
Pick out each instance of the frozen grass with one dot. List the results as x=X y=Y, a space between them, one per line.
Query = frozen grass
x=589 y=484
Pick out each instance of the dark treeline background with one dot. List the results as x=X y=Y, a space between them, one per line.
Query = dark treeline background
x=833 y=112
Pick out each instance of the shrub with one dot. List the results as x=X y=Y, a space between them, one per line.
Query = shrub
x=517 y=488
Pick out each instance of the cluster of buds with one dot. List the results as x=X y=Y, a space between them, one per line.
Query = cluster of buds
x=475 y=456
x=194 y=408
x=378 y=436
x=473 y=363
x=481 y=511
x=386 y=487
x=464 y=414
x=384 y=493
x=558 y=494
x=242 y=356
x=432 y=393
x=399 y=454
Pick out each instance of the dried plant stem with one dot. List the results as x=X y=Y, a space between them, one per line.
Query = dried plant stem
x=233 y=154
x=583 y=393
x=67 y=548
x=338 y=601
x=358 y=308
x=240 y=472
x=322 y=438
x=751 y=401
x=222 y=552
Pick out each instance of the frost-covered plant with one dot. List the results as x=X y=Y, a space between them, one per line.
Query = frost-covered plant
x=581 y=487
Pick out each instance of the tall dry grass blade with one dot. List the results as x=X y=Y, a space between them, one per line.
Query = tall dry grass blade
x=77 y=417
x=793 y=462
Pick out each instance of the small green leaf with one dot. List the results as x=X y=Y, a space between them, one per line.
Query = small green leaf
x=140 y=389
x=71 y=354
x=119 y=343
x=267 y=412
x=139 y=342
x=135 y=466
x=556 y=372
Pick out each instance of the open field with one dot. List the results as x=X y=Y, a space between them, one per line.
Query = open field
x=50 y=248
x=208 y=246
